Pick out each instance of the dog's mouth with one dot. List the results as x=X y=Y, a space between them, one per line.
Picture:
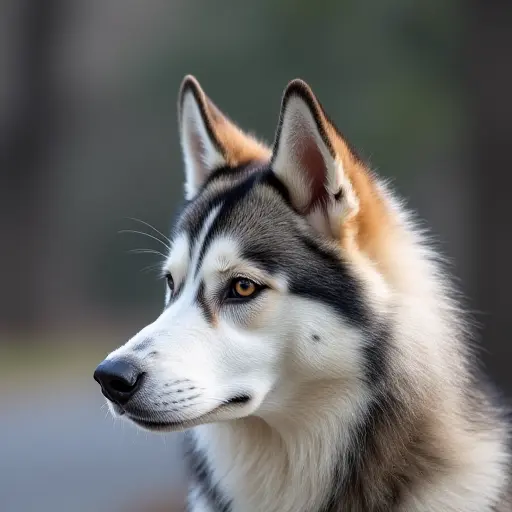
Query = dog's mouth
x=183 y=424
x=237 y=400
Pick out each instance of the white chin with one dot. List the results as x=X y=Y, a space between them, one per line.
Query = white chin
x=224 y=412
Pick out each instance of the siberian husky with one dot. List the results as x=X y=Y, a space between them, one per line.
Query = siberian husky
x=310 y=343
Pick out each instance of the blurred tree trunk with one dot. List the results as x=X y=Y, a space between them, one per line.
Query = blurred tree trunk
x=24 y=142
x=489 y=59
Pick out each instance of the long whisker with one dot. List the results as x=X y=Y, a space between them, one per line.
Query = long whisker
x=147 y=251
x=166 y=239
x=155 y=267
x=146 y=234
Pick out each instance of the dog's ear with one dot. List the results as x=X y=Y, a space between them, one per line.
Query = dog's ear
x=209 y=140
x=310 y=157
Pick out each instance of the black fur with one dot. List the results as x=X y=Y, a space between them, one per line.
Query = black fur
x=203 y=304
x=202 y=476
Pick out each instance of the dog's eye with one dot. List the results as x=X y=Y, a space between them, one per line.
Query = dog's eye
x=170 y=282
x=243 y=288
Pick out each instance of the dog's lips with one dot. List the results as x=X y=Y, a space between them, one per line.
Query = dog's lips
x=185 y=423
x=162 y=425
x=171 y=425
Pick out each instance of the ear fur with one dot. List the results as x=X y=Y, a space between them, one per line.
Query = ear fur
x=209 y=140
x=306 y=159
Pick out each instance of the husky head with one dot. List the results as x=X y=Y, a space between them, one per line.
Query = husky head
x=273 y=284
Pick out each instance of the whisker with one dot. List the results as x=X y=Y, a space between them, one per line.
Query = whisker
x=147 y=251
x=155 y=267
x=166 y=239
x=146 y=234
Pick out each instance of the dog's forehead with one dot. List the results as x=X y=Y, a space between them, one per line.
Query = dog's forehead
x=250 y=210
x=252 y=220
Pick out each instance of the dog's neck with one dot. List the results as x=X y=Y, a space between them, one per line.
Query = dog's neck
x=327 y=459
x=285 y=462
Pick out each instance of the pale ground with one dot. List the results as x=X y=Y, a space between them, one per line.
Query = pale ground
x=61 y=452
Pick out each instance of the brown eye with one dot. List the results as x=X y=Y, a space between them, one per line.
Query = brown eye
x=243 y=288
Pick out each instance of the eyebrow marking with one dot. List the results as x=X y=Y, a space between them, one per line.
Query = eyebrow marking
x=203 y=236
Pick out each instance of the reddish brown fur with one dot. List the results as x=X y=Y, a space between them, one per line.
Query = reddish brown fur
x=368 y=228
x=237 y=147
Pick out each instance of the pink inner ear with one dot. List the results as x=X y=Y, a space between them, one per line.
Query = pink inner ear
x=312 y=164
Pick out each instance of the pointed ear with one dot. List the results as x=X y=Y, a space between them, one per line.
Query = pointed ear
x=209 y=140
x=201 y=149
x=308 y=160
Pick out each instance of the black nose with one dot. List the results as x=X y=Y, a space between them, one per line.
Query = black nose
x=119 y=379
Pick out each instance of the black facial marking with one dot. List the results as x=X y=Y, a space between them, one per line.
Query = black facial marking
x=312 y=272
x=230 y=198
x=203 y=304
x=271 y=180
x=196 y=222
x=202 y=476
x=315 y=337
x=197 y=210
x=255 y=176
x=332 y=284
x=232 y=173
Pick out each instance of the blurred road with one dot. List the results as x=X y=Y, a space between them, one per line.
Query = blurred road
x=61 y=452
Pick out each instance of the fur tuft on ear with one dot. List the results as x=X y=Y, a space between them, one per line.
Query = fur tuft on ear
x=306 y=160
x=209 y=140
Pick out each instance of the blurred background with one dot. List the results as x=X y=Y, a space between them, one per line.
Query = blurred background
x=88 y=140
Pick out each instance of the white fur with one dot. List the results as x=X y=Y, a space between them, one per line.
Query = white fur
x=194 y=137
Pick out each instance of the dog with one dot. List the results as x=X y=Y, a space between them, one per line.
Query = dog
x=311 y=344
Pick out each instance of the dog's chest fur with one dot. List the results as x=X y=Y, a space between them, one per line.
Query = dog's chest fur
x=247 y=467
x=229 y=474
